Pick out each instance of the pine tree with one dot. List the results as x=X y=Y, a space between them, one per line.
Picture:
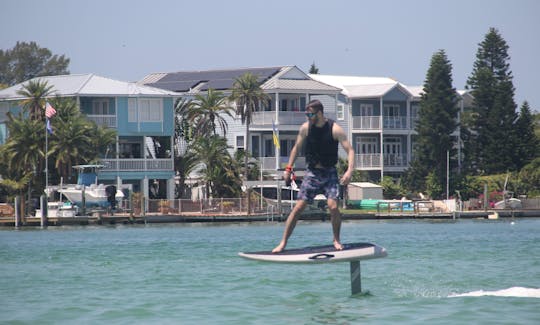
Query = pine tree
x=437 y=121
x=529 y=144
x=313 y=69
x=493 y=140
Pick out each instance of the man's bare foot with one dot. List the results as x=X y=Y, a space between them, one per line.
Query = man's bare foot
x=279 y=248
x=338 y=246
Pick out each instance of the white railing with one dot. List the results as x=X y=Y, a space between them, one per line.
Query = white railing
x=363 y=161
x=103 y=120
x=137 y=164
x=269 y=163
x=284 y=117
x=392 y=160
x=366 y=122
x=395 y=122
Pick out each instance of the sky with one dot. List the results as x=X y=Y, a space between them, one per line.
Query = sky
x=126 y=40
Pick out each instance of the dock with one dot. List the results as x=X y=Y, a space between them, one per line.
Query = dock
x=102 y=218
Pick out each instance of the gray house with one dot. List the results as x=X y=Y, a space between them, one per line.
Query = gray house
x=289 y=90
x=383 y=115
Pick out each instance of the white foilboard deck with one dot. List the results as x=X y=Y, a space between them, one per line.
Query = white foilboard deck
x=320 y=254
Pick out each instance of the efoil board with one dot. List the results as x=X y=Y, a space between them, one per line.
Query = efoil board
x=320 y=254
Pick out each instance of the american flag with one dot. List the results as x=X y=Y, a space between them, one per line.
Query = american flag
x=49 y=110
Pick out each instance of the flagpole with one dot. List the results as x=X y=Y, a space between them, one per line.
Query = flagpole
x=46 y=159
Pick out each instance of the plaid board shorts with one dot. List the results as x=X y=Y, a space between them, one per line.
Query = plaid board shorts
x=319 y=181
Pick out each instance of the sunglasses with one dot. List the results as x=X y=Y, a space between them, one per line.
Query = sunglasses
x=310 y=115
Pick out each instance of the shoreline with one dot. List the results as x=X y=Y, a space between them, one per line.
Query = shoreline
x=124 y=218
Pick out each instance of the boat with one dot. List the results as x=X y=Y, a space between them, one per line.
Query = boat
x=289 y=194
x=59 y=209
x=95 y=195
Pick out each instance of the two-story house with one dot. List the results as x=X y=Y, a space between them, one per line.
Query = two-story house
x=143 y=117
x=383 y=120
x=288 y=88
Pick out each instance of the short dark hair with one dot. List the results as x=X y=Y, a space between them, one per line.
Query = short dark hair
x=316 y=105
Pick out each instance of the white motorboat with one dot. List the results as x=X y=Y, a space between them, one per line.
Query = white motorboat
x=95 y=195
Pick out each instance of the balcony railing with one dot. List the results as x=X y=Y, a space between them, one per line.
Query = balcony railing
x=103 y=120
x=269 y=163
x=374 y=122
x=392 y=160
x=284 y=117
x=362 y=161
x=395 y=122
x=367 y=161
x=137 y=164
x=366 y=122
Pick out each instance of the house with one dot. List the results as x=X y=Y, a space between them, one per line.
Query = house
x=142 y=116
x=382 y=123
x=289 y=90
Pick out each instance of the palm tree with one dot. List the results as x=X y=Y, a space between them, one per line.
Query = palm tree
x=35 y=92
x=184 y=165
x=205 y=113
x=248 y=96
x=219 y=171
x=23 y=149
x=75 y=139
x=22 y=154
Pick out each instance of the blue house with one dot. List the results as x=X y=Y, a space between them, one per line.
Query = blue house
x=143 y=117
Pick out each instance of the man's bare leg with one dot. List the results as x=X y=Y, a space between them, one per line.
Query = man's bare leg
x=290 y=224
x=335 y=217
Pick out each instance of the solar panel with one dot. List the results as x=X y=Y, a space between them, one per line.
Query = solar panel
x=216 y=79
x=179 y=86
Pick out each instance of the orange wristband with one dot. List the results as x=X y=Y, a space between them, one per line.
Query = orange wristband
x=288 y=168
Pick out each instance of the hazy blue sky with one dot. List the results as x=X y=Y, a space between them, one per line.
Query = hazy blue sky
x=127 y=40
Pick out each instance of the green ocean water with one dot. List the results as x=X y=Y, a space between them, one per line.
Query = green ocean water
x=436 y=272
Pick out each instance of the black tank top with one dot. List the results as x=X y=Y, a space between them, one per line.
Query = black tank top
x=321 y=147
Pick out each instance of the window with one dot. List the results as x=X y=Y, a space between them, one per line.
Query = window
x=100 y=106
x=340 y=112
x=240 y=142
x=367 y=145
x=366 y=109
x=132 y=110
x=255 y=152
x=150 y=110
x=392 y=146
x=391 y=110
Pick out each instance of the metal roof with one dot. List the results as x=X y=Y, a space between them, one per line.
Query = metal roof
x=185 y=81
x=361 y=87
x=272 y=78
x=88 y=85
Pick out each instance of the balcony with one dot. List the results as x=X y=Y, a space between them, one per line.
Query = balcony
x=374 y=122
x=284 y=118
x=367 y=161
x=393 y=160
x=269 y=163
x=137 y=165
x=108 y=121
x=395 y=122
x=366 y=122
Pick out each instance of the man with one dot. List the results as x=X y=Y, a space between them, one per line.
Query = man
x=321 y=137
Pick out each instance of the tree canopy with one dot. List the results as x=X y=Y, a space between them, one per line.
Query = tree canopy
x=493 y=143
x=437 y=121
x=28 y=60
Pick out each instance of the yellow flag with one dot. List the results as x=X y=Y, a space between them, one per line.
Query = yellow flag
x=275 y=135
